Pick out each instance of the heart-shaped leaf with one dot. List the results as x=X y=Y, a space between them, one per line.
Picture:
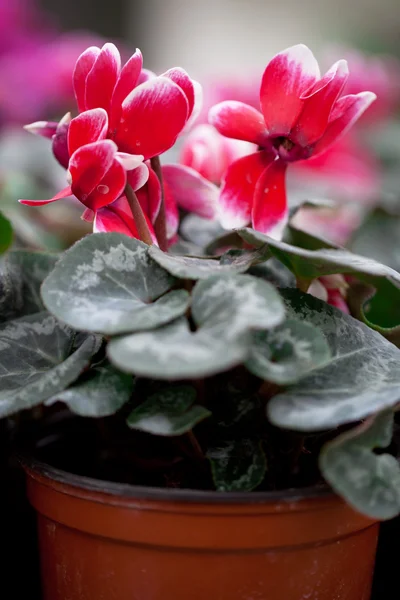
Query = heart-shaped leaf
x=38 y=360
x=232 y=304
x=200 y=231
x=361 y=378
x=174 y=352
x=378 y=237
x=169 y=412
x=226 y=309
x=367 y=481
x=189 y=267
x=288 y=352
x=6 y=233
x=237 y=465
x=103 y=392
x=106 y=283
x=310 y=264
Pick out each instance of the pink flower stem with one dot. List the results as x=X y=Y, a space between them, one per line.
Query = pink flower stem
x=160 y=225
x=138 y=216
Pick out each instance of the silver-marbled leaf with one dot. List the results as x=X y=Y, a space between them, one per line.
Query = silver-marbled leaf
x=107 y=282
x=169 y=412
x=288 y=352
x=361 y=378
x=38 y=359
x=102 y=393
x=368 y=481
x=237 y=465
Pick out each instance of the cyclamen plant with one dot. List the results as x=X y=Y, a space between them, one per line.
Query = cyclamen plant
x=242 y=379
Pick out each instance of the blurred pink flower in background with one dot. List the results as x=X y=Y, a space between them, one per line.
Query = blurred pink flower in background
x=36 y=62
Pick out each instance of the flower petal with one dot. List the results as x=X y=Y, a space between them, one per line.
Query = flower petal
x=198 y=105
x=171 y=212
x=145 y=75
x=127 y=81
x=270 y=212
x=109 y=189
x=118 y=217
x=138 y=177
x=345 y=113
x=43 y=128
x=129 y=161
x=191 y=191
x=237 y=191
x=60 y=141
x=287 y=77
x=88 y=165
x=239 y=121
x=65 y=193
x=181 y=78
x=153 y=115
x=102 y=78
x=314 y=117
x=149 y=195
x=83 y=66
x=90 y=126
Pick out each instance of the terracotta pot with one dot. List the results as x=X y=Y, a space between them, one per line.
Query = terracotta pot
x=105 y=541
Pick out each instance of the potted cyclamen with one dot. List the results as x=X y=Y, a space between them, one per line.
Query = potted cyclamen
x=232 y=453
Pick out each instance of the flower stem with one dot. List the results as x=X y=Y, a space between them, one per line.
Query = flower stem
x=160 y=225
x=138 y=216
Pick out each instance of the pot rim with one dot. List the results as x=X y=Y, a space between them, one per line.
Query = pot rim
x=182 y=495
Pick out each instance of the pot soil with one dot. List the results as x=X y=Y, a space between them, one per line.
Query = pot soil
x=103 y=541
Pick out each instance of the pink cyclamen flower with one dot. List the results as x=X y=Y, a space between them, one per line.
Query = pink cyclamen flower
x=332 y=289
x=146 y=113
x=303 y=114
x=210 y=153
x=97 y=170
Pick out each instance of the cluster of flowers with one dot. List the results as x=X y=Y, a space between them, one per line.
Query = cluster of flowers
x=232 y=168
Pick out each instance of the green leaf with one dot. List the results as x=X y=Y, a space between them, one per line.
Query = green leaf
x=106 y=283
x=310 y=264
x=361 y=378
x=103 y=392
x=6 y=233
x=225 y=308
x=22 y=275
x=169 y=412
x=232 y=304
x=237 y=465
x=37 y=360
x=287 y=353
x=379 y=238
x=174 y=352
x=189 y=267
x=369 y=482
x=274 y=272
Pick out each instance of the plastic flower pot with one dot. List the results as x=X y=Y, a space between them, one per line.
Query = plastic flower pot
x=104 y=541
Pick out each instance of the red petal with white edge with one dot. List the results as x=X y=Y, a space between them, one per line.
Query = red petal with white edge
x=129 y=161
x=198 y=105
x=127 y=81
x=82 y=68
x=90 y=126
x=109 y=189
x=152 y=117
x=237 y=191
x=88 y=165
x=102 y=78
x=118 y=217
x=239 y=121
x=43 y=128
x=138 y=177
x=65 y=193
x=181 y=78
x=60 y=141
x=270 y=212
x=145 y=75
x=318 y=105
x=171 y=212
x=191 y=191
x=287 y=77
x=149 y=196
x=345 y=113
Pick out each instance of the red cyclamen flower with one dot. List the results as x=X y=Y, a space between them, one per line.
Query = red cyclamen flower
x=302 y=115
x=97 y=171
